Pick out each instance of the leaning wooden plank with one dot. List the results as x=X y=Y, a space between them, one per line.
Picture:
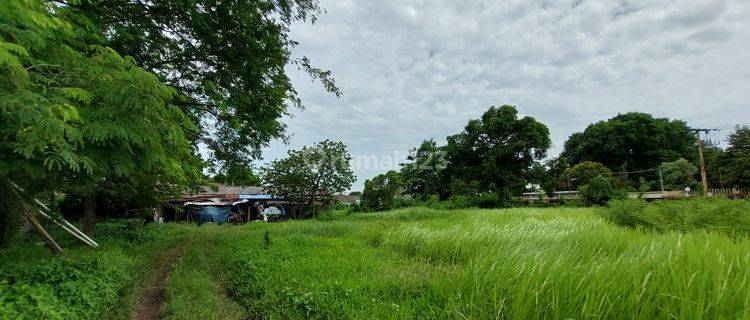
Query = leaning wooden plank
x=51 y=244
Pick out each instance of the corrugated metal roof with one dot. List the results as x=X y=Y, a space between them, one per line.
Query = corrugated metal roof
x=227 y=189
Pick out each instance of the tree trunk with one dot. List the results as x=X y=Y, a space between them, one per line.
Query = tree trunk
x=89 y=213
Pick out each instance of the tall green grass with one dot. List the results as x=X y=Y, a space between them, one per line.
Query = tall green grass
x=731 y=217
x=194 y=290
x=515 y=263
x=552 y=263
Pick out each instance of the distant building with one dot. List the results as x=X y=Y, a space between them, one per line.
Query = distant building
x=225 y=203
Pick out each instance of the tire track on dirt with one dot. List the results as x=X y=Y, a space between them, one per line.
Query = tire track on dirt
x=150 y=305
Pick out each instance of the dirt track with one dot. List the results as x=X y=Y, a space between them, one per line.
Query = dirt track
x=151 y=302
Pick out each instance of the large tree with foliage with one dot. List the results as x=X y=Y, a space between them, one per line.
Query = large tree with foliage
x=678 y=174
x=75 y=112
x=424 y=173
x=738 y=158
x=584 y=172
x=225 y=59
x=631 y=141
x=310 y=175
x=380 y=192
x=550 y=175
x=498 y=150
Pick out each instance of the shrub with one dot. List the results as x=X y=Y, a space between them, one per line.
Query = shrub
x=599 y=191
x=585 y=172
x=717 y=213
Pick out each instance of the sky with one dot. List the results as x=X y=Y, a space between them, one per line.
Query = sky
x=415 y=70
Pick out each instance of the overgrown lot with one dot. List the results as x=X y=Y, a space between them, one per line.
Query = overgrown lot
x=85 y=283
x=514 y=264
x=410 y=263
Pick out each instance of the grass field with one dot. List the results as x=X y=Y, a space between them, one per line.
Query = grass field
x=516 y=263
x=463 y=264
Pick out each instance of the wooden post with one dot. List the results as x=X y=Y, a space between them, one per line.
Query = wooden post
x=699 y=144
x=51 y=244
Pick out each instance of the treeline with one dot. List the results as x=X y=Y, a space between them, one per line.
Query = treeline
x=500 y=156
x=107 y=102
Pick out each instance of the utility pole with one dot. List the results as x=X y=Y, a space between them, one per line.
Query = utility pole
x=699 y=144
x=661 y=181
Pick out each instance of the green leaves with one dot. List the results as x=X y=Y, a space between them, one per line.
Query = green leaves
x=311 y=174
x=75 y=110
x=631 y=141
x=226 y=60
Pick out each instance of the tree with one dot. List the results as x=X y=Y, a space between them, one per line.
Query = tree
x=678 y=174
x=238 y=175
x=738 y=157
x=630 y=142
x=75 y=112
x=584 y=172
x=497 y=150
x=380 y=192
x=312 y=174
x=716 y=164
x=599 y=191
x=423 y=176
x=226 y=59
x=552 y=179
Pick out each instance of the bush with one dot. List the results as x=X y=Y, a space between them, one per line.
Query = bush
x=63 y=288
x=717 y=213
x=85 y=283
x=599 y=191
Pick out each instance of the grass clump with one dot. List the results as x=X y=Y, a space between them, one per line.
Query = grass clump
x=718 y=214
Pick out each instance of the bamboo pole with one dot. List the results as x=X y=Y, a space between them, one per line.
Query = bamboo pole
x=51 y=244
x=91 y=244
x=74 y=230
x=68 y=226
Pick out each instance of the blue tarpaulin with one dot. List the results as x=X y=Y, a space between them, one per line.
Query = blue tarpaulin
x=205 y=214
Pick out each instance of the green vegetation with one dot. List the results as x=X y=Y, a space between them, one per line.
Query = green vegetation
x=722 y=215
x=85 y=283
x=513 y=263
x=599 y=191
x=193 y=288
x=313 y=174
x=631 y=141
x=412 y=263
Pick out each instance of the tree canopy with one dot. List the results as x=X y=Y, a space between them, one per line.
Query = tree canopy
x=498 y=150
x=423 y=175
x=312 y=174
x=738 y=158
x=225 y=59
x=584 y=172
x=678 y=174
x=631 y=141
x=379 y=192
x=76 y=112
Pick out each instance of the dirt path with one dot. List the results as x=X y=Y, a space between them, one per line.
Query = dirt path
x=151 y=302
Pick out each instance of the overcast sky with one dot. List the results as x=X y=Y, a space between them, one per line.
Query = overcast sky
x=414 y=70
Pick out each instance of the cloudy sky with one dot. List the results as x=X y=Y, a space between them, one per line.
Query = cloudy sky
x=414 y=70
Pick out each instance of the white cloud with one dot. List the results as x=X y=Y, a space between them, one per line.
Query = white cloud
x=414 y=70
